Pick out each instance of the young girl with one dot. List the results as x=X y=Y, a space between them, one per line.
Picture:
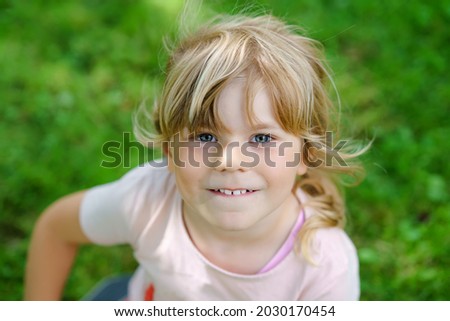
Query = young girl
x=246 y=207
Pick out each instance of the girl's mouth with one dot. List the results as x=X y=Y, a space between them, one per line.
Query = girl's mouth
x=232 y=192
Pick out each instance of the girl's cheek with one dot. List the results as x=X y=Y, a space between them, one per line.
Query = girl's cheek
x=284 y=155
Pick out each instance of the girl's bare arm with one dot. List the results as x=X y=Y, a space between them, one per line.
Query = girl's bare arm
x=53 y=247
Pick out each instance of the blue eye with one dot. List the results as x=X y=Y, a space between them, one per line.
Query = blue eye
x=261 y=138
x=206 y=138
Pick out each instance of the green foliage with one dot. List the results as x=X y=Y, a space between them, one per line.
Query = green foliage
x=73 y=72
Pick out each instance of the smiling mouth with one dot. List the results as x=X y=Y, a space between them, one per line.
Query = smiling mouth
x=232 y=192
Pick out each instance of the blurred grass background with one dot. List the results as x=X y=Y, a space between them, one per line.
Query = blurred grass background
x=72 y=72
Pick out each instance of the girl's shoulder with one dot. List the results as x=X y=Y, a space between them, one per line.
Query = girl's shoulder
x=153 y=168
x=117 y=212
x=334 y=274
x=327 y=242
x=148 y=184
x=335 y=257
x=149 y=177
x=333 y=240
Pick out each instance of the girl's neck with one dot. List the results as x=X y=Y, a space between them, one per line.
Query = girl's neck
x=245 y=251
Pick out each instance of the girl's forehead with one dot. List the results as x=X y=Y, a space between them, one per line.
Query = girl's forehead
x=240 y=108
x=243 y=102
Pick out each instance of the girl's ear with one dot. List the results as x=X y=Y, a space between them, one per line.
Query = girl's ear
x=165 y=149
x=302 y=168
x=168 y=154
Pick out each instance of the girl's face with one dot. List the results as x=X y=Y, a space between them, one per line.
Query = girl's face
x=241 y=178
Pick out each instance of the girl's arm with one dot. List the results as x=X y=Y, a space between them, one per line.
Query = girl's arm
x=53 y=247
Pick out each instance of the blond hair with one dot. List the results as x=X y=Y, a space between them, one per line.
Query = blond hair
x=291 y=67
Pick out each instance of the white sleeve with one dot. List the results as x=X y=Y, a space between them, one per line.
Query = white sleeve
x=113 y=213
x=101 y=215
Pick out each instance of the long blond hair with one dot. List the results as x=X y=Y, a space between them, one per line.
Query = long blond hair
x=291 y=67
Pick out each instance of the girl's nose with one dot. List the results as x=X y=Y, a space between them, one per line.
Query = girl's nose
x=231 y=158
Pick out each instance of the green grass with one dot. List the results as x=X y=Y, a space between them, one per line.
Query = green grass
x=72 y=72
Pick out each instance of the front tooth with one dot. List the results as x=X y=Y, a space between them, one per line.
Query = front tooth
x=230 y=192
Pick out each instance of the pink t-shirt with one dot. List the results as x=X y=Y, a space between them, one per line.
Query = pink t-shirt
x=143 y=209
